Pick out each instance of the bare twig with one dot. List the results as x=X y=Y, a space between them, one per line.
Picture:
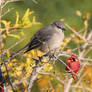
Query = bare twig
x=51 y=74
x=67 y=54
x=86 y=88
x=85 y=44
x=81 y=78
x=88 y=38
x=12 y=28
x=5 y=2
x=35 y=1
x=13 y=46
x=13 y=55
x=66 y=66
x=68 y=85
x=76 y=33
x=34 y=75
x=7 y=12
x=9 y=79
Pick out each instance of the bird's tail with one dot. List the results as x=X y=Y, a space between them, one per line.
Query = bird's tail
x=15 y=54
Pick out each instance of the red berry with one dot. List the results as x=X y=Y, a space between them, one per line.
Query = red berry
x=73 y=63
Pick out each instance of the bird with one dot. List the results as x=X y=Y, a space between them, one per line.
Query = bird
x=48 y=38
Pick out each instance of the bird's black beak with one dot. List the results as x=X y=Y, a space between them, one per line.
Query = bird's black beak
x=63 y=29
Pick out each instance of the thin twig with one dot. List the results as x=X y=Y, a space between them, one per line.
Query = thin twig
x=13 y=46
x=12 y=28
x=9 y=79
x=76 y=33
x=86 y=88
x=53 y=75
x=7 y=12
x=34 y=75
x=4 y=3
x=67 y=54
x=68 y=85
x=35 y=1
x=66 y=66
x=13 y=55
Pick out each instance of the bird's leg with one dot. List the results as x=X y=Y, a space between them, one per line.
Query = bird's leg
x=36 y=61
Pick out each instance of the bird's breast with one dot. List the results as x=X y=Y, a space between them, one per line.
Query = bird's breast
x=56 y=40
x=53 y=43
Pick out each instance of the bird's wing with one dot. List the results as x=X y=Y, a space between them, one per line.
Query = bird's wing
x=40 y=38
x=34 y=43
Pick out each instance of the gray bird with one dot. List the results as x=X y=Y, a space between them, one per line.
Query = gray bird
x=47 y=38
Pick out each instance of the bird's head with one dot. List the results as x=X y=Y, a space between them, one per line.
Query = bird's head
x=60 y=25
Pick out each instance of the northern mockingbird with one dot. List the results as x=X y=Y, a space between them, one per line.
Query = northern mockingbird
x=48 y=38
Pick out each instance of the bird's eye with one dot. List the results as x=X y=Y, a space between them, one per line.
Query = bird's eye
x=59 y=27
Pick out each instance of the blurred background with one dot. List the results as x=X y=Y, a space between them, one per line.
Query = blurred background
x=47 y=11
x=75 y=13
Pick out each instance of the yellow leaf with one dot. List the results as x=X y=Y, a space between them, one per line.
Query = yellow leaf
x=78 y=13
x=88 y=76
x=27 y=13
x=13 y=35
x=26 y=20
x=24 y=83
x=19 y=73
x=22 y=33
x=43 y=81
x=86 y=23
x=61 y=19
x=88 y=15
x=6 y=23
x=4 y=36
x=17 y=19
x=34 y=21
x=48 y=67
x=57 y=90
x=25 y=90
x=8 y=53
x=28 y=62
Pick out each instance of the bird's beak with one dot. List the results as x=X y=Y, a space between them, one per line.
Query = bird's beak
x=63 y=29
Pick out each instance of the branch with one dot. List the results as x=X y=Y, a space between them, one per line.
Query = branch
x=36 y=69
x=12 y=28
x=68 y=85
x=13 y=46
x=13 y=55
x=65 y=65
x=4 y=3
x=67 y=54
x=7 y=12
x=34 y=75
x=35 y=1
x=76 y=33
x=9 y=78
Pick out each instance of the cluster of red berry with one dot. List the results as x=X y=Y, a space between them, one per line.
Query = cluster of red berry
x=74 y=64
